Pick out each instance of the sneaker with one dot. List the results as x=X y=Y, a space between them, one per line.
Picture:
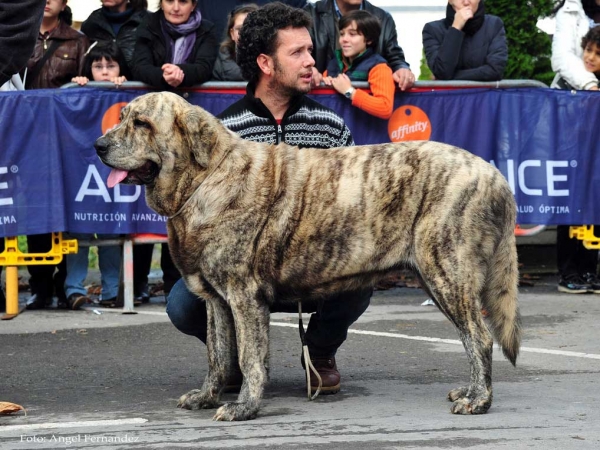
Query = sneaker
x=108 y=302
x=574 y=284
x=593 y=281
x=76 y=301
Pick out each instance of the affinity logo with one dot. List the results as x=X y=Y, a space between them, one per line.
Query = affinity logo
x=111 y=116
x=409 y=123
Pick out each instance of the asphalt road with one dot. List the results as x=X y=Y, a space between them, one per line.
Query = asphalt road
x=110 y=380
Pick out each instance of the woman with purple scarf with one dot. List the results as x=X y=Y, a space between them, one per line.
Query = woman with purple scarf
x=175 y=48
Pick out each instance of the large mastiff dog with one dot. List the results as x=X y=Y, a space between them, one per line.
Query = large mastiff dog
x=250 y=224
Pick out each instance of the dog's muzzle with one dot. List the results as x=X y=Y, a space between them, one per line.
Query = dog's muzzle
x=101 y=146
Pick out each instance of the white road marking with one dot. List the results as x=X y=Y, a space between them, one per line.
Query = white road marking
x=452 y=341
x=89 y=423
x=405 y=336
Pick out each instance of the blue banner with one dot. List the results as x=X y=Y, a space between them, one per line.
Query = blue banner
x=542 y=140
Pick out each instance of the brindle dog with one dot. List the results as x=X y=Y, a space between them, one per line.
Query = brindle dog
x=251 y=223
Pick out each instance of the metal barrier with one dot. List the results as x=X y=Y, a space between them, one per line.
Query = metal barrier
x=12 y=257
x=128 y=242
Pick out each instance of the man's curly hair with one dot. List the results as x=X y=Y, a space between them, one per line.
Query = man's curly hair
x=259 y=34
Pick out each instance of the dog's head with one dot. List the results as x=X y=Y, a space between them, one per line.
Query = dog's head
x=162 y=142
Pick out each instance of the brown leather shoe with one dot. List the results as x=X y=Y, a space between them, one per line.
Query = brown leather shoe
x=330 y=376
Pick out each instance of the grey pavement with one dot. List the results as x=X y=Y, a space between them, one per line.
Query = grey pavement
x=107 y=380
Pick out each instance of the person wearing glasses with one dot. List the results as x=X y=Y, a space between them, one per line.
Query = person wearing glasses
x=226 y=68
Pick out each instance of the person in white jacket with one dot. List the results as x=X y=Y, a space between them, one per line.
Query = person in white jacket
x=573 y=20
x=577 y=266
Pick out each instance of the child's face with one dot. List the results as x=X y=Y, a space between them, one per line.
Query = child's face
x=352 y=42
x=105 y=70
x=591 y=58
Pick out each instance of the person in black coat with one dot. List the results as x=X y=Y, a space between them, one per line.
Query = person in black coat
x=467 y=45
x=19 y=28
x=176 y=47
x=218 y=11
x=226 y=68
x=117 y=21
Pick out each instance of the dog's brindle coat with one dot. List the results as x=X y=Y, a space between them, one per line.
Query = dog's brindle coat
x=251 y=223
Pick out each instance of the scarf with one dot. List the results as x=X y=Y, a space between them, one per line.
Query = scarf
x=473 y=25
x=180 y=38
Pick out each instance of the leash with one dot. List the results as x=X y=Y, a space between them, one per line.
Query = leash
x=308 y=365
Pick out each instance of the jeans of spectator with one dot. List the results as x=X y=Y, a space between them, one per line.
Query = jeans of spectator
x=42 y=278
x=142 y=260
x=327 y=328
x=572 y=258
x=109 y=262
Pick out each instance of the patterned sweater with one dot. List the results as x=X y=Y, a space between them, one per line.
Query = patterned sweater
x=306 y=123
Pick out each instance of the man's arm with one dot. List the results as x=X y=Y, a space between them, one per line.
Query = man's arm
x=19 y=27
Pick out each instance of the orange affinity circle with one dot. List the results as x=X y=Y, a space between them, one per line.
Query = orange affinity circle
x=409 y=123
x=111 y=116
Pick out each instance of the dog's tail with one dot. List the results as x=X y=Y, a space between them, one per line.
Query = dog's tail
x=499 y=297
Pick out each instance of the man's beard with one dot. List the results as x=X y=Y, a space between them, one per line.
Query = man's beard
x=284 y=89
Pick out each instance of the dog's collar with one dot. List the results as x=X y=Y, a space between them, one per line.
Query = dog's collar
x=186 y=202
x=225 y=153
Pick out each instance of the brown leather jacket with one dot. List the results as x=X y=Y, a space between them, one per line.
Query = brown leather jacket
x=65 y=63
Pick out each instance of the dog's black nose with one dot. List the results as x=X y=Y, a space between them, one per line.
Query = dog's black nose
x=101 y=146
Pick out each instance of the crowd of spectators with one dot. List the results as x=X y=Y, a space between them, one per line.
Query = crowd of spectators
x=188 y=42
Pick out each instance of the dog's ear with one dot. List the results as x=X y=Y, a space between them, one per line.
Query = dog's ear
x=202 y=132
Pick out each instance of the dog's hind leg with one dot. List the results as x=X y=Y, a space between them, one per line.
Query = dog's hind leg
x=222 y=357
x=251 y=316
x=460 y=303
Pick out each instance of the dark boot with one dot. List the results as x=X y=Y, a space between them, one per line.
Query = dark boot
x=2 y=301
x=37 y=301
x=330 y=376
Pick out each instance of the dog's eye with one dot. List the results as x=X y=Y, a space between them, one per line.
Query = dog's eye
x=141 y=124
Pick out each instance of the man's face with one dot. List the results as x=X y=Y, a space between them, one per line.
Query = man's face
x=292 y=62
x=460 y=4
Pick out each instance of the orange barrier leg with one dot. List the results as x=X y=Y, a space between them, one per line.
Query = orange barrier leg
x=12 y=292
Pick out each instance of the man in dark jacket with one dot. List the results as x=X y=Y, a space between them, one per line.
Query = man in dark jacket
x=117 y=21
x=276 y=109
x=325 y=15
x=217 y=11
x=19 y=28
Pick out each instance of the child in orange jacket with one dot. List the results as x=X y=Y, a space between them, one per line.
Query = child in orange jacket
x=356 y=60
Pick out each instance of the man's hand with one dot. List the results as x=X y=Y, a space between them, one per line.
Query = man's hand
x=461 y=17
x=404 y=78
x=172 y=74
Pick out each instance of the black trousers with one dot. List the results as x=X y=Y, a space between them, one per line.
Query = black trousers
x=46 y=280
x=142 y=260
x=572 y=258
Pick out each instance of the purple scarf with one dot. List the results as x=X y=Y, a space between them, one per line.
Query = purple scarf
x=180 y=38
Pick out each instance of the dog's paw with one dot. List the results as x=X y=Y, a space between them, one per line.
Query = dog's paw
x=477 y=405
x=196 y=400
x=235 y=411
x=458 y=393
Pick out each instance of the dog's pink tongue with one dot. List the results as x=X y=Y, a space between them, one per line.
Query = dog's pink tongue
x=115 y=177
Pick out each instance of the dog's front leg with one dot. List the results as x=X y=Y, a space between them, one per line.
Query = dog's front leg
x=251 y=317
x=222 y=357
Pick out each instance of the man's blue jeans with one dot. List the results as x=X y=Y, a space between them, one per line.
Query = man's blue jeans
x=109 y=261
x=327 y=328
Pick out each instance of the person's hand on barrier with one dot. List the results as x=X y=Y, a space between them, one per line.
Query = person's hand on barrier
x=172 y=74
x=461 y=17
x=118 y=80
x=81 y=81
x=317 y=77
x=405 y=79
x=341 y=83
